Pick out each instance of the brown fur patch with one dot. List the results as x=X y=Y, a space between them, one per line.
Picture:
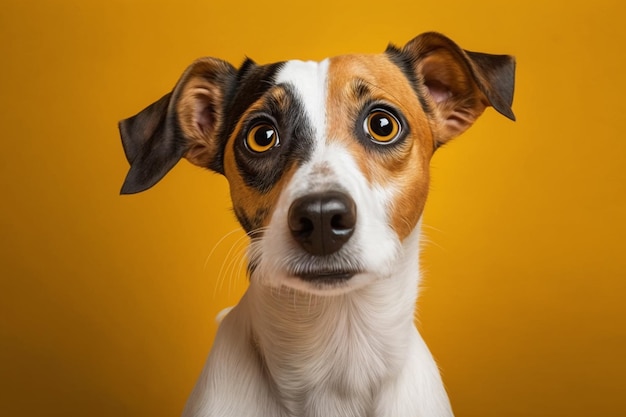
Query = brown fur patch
x=356 y=80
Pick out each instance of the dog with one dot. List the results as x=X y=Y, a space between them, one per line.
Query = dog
x=328 y=168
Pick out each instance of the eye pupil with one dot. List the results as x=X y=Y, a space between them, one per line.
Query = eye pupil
x=381 y=125
x=264 y=136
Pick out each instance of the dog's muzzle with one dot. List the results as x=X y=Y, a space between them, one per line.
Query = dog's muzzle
x=322 y=223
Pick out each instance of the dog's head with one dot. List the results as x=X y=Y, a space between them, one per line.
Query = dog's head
x=327 y=161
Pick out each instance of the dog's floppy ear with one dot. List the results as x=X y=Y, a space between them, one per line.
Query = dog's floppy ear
x=459 y=84
x=183 y=123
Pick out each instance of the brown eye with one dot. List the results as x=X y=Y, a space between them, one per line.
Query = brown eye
x=381 y=126
x=262 y=137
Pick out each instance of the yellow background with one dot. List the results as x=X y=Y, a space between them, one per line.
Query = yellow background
x=107 y=302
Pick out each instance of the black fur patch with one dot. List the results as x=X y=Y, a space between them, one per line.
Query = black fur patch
x=251 y=83
x=287 y=115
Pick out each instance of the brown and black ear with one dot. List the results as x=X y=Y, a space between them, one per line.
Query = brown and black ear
x=458 y=84
x=183 y=123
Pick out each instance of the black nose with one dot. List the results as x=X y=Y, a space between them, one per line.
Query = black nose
x=321 y=223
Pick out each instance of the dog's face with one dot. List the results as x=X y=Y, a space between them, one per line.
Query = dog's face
x=327 y=161
x=330 y=163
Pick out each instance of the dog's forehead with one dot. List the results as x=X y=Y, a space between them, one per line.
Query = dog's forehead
x=376 y=71
x=311 y=78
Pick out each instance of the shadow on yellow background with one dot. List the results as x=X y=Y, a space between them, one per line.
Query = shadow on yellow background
x=107 y=302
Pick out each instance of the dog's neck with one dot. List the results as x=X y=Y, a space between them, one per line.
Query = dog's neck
x=322 y=350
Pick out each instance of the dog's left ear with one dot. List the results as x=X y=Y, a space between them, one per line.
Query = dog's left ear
x=183 y=123
x=459 y=84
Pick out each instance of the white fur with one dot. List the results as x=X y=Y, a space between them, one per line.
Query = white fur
x=294 y=349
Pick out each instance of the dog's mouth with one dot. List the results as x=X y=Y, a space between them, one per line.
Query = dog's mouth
x=327 y=276
x=328 y=271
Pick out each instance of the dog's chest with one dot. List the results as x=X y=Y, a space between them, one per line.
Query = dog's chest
x=323 y=356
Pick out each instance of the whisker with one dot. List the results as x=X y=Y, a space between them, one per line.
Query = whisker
x=235 y=260
x=427 y=226
x=242 y=266
x=206 y=261
x=235 y=248
x=427 y=240
x=232 y=270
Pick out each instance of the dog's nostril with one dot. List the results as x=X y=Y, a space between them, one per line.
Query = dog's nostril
x=343 y=223
x=303 y=227
x=337 y=222
x=323 y=222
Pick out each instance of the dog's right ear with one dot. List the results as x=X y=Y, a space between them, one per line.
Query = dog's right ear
x=183 y=123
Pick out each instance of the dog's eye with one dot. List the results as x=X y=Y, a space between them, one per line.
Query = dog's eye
x=262 y=137
x=382 y=126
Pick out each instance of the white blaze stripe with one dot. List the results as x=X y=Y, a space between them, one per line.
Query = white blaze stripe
x=309 y=80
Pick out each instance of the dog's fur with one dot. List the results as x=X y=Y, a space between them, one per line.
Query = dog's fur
x=331 y=192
